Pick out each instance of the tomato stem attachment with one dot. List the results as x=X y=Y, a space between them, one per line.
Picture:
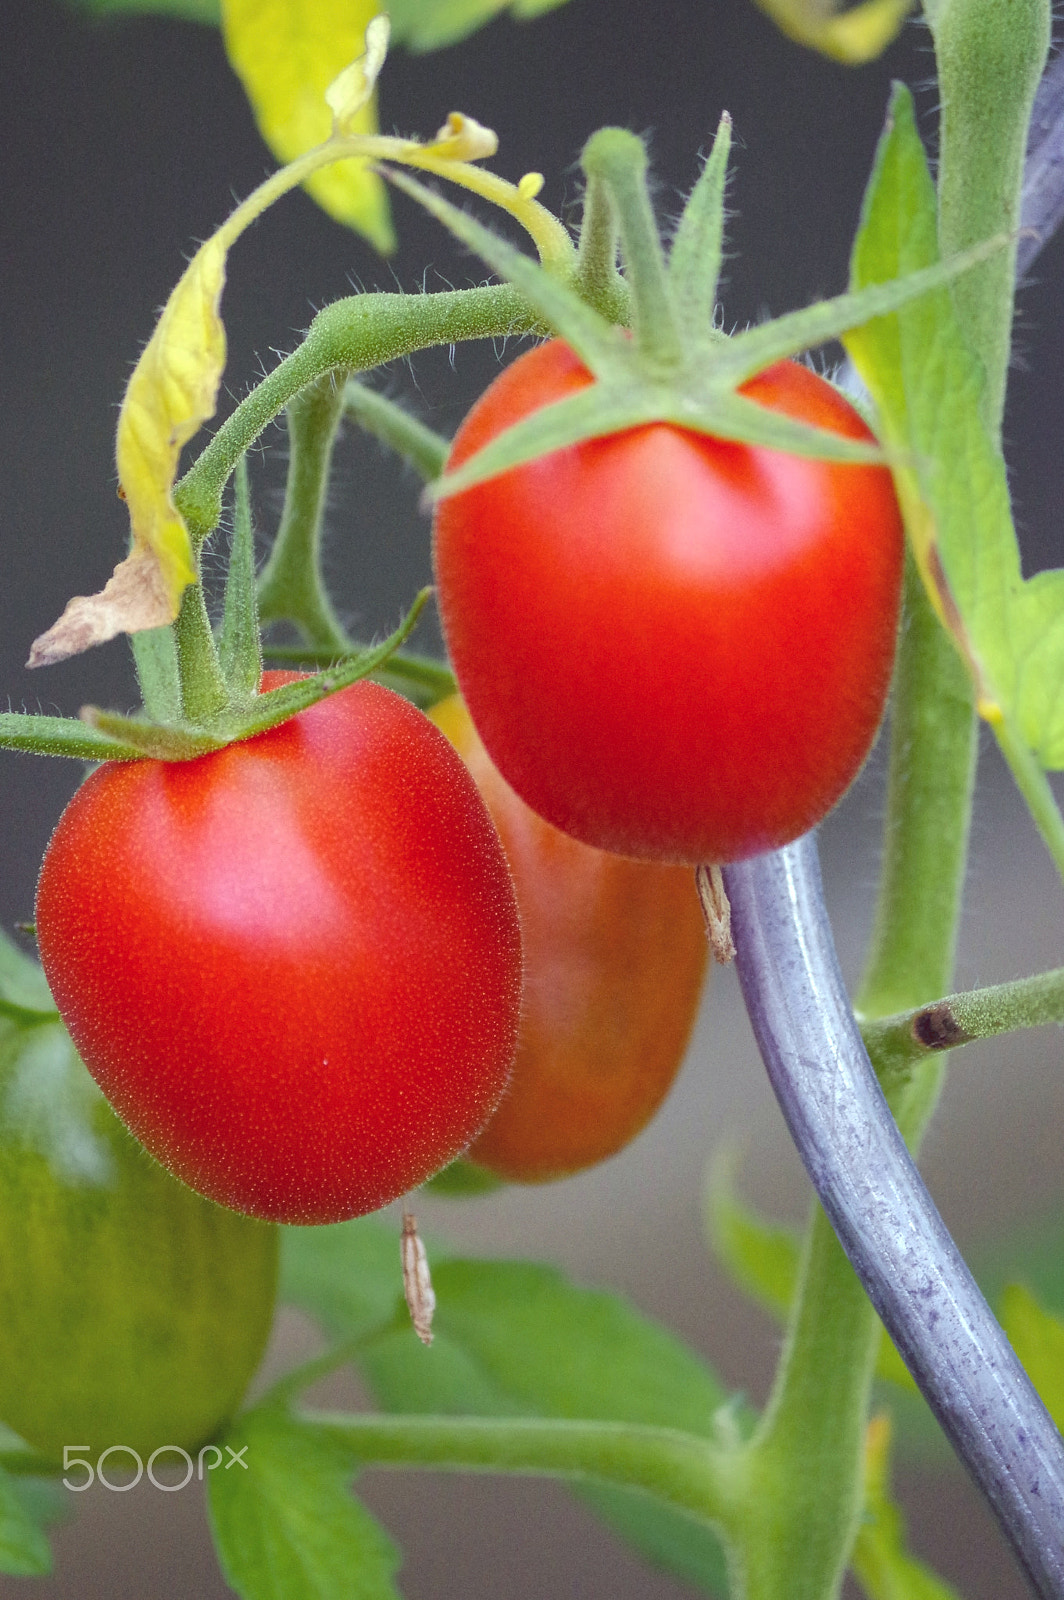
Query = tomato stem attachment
x=618 y=160
x=598 y=279
x=290 y=587
x=882 y=1213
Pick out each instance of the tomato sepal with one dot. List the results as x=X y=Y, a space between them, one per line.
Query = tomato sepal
x=108 y=736
x=692 y=380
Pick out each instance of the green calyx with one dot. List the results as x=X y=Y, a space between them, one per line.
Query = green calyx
x=675 y=366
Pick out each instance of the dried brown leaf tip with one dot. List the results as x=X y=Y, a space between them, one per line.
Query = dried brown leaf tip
x=716 y=909
x=136 y=596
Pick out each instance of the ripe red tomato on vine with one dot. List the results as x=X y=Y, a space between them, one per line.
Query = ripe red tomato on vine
x=292 y=965
x=673 y=646
x=615 y=955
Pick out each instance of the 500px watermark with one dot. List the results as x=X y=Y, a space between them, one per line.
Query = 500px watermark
x=74 y=1456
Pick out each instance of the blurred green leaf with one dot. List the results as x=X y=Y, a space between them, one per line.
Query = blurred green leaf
x=462 y=1180
x=763 y=1258
x=22 y=983
x=1037 y=1337
x=347 y=1275
x=880 y=1561
x=24 y=1549
x=515 y=1338
x=286 y=1526
x=853 y=35
x=207 y=11
x=927 y=388
x=430 y=24
x=286 y=53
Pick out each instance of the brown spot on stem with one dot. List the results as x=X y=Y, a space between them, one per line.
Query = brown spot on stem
x=936 y=1028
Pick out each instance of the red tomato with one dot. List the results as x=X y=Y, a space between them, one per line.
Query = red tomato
x=673 y=646
x=615 y=952
x=293 y=966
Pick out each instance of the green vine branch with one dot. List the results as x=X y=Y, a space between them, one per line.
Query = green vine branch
x=678 y=1468
x=900 y=1043
x=354 y=334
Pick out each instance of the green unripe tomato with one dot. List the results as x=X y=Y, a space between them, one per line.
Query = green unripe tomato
x=132 y=1311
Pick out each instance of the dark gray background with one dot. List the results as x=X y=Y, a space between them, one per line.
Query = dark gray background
x=121 y=144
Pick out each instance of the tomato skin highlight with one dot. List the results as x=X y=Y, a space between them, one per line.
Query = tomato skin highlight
x=673 y=647
x=615 y=958
x=293 y=965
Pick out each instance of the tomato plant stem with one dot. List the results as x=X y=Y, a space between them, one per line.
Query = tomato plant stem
x=203 y=690
x=425 y=450
x=597 y=279
x=679 y=1468
x=883 y=1215
x=990 y=54
x=930 y=782
x=896 y=1044
x=618 y=160
x=355 y=334
x=291 y=587
x=798 y=1525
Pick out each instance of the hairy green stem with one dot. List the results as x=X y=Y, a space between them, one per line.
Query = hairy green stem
x=802 y=1482
x=818 y=1409
x=931 y=777
x=899 y=1043
x=990 y=55
x=354 y=334
x=290 y=586
x=618 y=160
x=678 y=1468
x=203 y=690
x=597 y=278
x=425 y=450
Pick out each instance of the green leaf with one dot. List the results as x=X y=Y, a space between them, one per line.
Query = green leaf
x=286 y=54
x=429 y=24
x=463 y=1179
x=927 y=387
x=1037 y=1337
x=515 y=1338
x=24 y=1550
x=346 y=1275
x=761 y=1257
x=880 y=1561
x=205 y=11
x=286 y=1526
x=22 y=983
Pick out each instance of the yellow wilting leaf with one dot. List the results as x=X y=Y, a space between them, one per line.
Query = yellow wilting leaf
x=171 y=393
x=852 y=37
x=287 y=53
x=174 y=386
